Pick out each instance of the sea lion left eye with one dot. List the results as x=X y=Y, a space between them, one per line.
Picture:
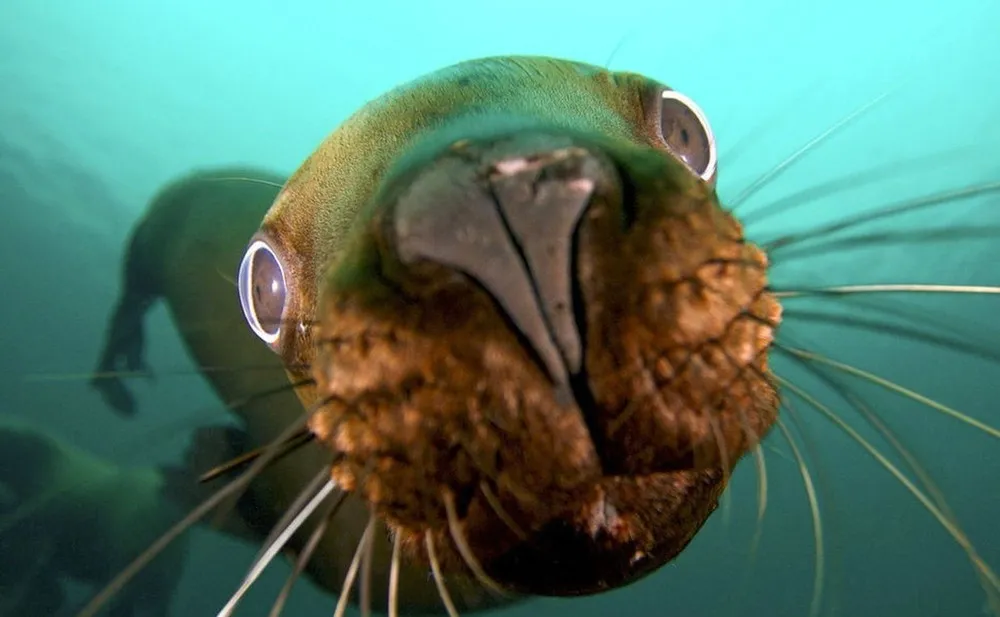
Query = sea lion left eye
x=685 y=131
x=262 y=291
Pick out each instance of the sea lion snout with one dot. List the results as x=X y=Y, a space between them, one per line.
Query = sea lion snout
x=486 y=281
x=505 y=213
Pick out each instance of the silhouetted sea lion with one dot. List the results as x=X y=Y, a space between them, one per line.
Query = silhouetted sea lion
x=67 y=515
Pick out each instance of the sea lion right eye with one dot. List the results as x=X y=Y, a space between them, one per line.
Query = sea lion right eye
x=262 y=291
x=685 y=131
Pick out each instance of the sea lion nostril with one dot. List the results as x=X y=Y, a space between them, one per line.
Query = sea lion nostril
x=542 y=200
x=507 y=217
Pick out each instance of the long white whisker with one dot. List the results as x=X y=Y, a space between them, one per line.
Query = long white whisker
x=307 y=552
x=727 y=499
x=274 y=545
x=394 y=577
x=894 y=288
x=365 y=599
x=761 y=466
x=911 y=205
x=247 y=179
x=810 y=145
x=817 y=521
x=843 y=184
x=893 y=387
x=352 y=571
x=953 y=529
x=463 y=548
x=935 y=493
x=219 y=499
x=154 y=549
x=449 y=606
x=273 y=450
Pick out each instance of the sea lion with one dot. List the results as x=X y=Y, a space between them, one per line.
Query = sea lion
x=186 y=250
x=66 y=514
x=532 y=340
x=537 y=340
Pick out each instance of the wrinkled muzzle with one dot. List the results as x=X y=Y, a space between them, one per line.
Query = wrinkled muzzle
x=552 y=347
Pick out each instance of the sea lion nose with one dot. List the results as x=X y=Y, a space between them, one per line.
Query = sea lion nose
x=505 y=213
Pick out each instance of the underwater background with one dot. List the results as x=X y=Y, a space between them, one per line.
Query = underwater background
x=102 y=103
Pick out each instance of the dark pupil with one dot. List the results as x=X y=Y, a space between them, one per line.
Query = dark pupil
x=680 y=127
x=268 y=291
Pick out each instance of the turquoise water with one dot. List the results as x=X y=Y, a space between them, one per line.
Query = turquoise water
x=104 y=102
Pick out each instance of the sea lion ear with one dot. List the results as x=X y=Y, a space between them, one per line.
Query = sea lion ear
x=685 y=132
x=263 y=289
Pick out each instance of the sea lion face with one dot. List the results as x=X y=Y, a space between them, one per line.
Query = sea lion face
x=538 y=341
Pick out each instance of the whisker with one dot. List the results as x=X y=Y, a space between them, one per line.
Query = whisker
x=307 y=552
x=227 y=278
x=618 y=46
x=954 y=530
x=220 y=499
x=365 y=599
x=892 y=387
x=893 y=288
x=762 y=128
x=831 y=245
x=817 y=521
x=185 y=372
x=265 y=459
x=236 y=404
x=850 y=181
x=394 y=577
x=886 y=327
x=761 y=466
x=352 y=570
x=809 y=146
x=498 y=508
x=920 y=322
x=463 y=547
x=727 y=499
x=122 y=579
x=311 y=497
x=442 y=589
x=911 y=205
x=245 y=179
x=297 y=440
x=923 y=476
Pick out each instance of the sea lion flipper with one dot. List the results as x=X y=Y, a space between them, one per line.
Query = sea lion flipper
x=124 y=343
x=123 y=352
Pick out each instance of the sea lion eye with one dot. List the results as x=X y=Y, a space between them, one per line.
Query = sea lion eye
x=262 y=291
x=685 y=131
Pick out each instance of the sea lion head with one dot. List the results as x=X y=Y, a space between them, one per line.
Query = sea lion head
x=538 y=341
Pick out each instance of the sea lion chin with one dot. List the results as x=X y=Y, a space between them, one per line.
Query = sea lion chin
x=539 y=343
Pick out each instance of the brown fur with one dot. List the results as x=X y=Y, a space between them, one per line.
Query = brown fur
x=432 y=393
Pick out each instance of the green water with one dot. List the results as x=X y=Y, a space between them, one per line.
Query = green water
x=102 y=102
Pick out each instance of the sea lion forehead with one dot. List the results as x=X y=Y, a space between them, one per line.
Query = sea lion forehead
x=318 y=205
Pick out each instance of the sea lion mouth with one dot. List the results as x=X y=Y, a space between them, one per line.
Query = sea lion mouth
x=555 y=346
